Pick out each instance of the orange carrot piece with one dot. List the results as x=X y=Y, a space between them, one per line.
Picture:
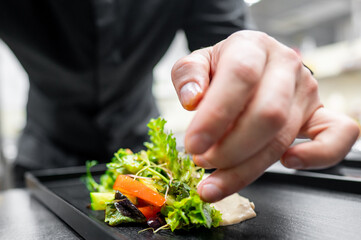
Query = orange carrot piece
x=128 y=185
x=149 y=211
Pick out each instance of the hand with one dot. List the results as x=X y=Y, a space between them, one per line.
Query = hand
x=253 y=98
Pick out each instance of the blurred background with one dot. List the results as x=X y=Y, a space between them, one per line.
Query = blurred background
x=326 y=33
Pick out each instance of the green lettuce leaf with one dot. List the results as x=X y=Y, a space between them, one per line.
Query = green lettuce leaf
x=163 y=149
x=191 y=212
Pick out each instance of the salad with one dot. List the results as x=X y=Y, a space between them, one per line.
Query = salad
x=156 y=186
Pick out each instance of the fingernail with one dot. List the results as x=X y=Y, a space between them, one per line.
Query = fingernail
x=211 y=193
x=189 y=93
x=293 y=162
x=198 y=143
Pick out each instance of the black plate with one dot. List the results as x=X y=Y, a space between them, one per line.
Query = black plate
x=297 y=205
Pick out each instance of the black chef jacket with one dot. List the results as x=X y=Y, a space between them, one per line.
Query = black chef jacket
x=90 y=68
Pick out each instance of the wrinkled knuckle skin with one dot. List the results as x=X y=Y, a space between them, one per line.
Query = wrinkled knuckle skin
x=183 y=71
x=274 y=114
x=176 y=69
x=247 y=73
x=278 y=147
x=182 y=65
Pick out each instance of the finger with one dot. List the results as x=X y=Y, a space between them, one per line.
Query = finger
x=238 y=65
x=224 y=182
x=230 y=180
x=190 y=76
x=267 y=113
x=332 y=137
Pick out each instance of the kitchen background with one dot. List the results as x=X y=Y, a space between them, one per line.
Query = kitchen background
x=327 y=34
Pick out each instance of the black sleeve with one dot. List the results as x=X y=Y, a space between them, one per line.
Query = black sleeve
x=210 y=21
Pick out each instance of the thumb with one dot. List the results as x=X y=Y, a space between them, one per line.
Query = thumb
x=332 y=137
x=190 y=76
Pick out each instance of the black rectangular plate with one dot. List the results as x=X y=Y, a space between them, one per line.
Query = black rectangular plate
x=297 y=205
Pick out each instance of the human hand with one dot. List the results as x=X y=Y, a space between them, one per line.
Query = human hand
x=253 y=98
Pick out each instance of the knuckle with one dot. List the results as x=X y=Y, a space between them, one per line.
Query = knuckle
x=182 y=64
x=189 y=68
x=292 y=55
x=191 y=61
x=351 y=127
x=256 y=37
x=247 y=73
x=312 y=86
x=278 y=146
x=261 y=37
x=274 y=114
x=293 y=58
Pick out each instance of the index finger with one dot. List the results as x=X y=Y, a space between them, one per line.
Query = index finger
x=238 y=64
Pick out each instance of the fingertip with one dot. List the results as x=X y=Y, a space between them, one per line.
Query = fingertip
x=291 y=161
x=202 y=162
x=198 y=143
x=296 y=157
x=314 y=154
x=210 y=192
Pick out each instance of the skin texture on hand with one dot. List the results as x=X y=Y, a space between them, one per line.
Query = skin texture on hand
x=253 y=98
